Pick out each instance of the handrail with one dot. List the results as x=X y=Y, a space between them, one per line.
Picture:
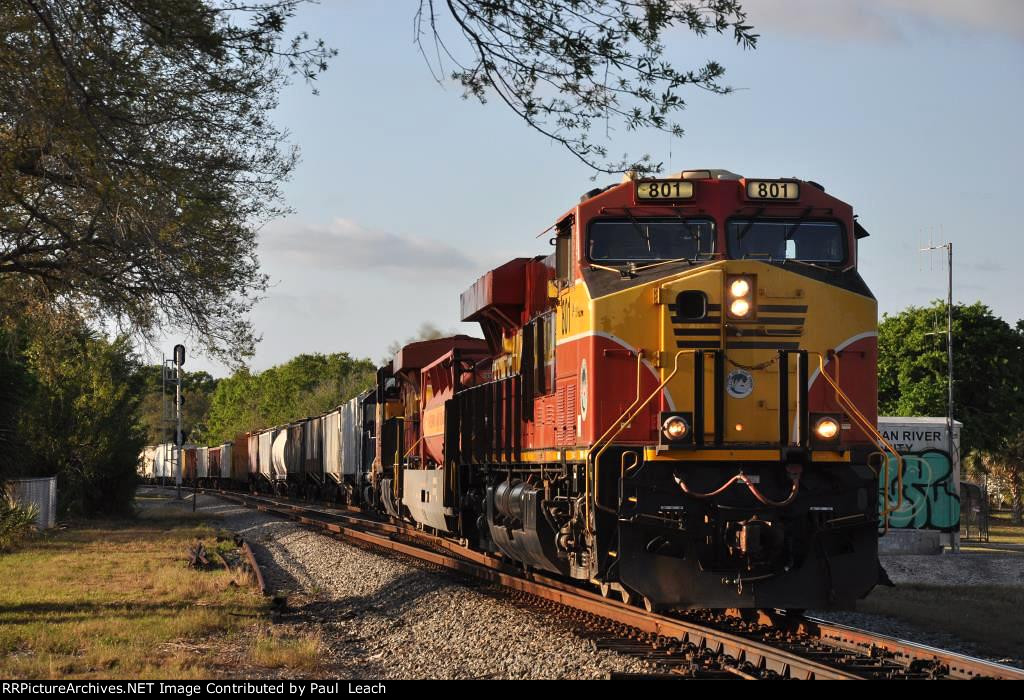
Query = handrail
x=623 y=421
x=634 y=465
x=418 y=441
x=398 y=460
x=885 y=480
x=639 y=368
x=876 y=438
x=586 y=476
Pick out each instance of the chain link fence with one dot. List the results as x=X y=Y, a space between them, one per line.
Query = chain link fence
x=973 y=511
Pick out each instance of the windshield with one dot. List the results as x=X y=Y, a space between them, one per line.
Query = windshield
x=650 y=240
x=807 y=241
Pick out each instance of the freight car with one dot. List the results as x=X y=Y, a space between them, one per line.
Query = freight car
x=326 y=457
x=677 y=405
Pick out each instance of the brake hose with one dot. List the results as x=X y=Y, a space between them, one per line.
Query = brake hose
x=793 y=472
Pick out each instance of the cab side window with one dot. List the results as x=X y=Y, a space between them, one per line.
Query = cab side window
x=563 y=253
x=544 y=354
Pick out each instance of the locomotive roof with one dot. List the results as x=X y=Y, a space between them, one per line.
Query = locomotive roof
x=423 y=352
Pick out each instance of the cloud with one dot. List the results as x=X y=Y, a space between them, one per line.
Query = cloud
x=988 y=266
x=843 y=19
x=345 y=244
x=885 y=20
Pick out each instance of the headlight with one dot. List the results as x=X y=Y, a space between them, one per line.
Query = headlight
x=826 y=428
x=739 y=288
x=739 y=307
x=675 y=428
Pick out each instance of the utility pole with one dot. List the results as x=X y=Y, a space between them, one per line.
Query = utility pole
x=948 y=246
x=179 y=360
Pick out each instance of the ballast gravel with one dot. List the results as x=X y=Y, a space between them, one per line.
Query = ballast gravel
x=385 y=617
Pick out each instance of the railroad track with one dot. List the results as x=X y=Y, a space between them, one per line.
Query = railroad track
x=697 y=644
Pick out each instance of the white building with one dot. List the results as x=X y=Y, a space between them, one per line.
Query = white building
x=931 y=478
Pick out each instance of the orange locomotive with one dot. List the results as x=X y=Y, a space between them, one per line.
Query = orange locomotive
x=678 y=404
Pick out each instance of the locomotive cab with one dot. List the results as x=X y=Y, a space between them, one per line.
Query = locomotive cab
x=732 y=471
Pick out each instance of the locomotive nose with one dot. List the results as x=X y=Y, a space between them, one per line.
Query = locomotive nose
x=742 y=321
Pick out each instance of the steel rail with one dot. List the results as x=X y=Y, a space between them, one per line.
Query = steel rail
x=860 y=641
x=746 y=652
x=255 y=566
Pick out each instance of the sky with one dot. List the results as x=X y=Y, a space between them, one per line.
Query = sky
x=406 y=193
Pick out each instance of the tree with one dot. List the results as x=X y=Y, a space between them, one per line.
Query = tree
x=306 y=385
x=1005 y=471
x=988 y=363
x=137 y=157
x=197 y=389
x=16 y=387
x=81 y=421
x=565 y=65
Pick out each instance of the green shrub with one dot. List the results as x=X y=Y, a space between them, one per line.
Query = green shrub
x=17 y=521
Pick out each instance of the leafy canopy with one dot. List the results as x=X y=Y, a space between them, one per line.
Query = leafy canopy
x=80 y=419
x=137 y=157
x=988 y=370
x=157 y=406
x=306 y=385
x=571 y=67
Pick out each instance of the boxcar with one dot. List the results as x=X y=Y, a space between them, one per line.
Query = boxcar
x=240 y=460
x=146 y=459
x=213 y=458
x=202 y=462
x=253 y=452
x=225 y=461
x=188 y=473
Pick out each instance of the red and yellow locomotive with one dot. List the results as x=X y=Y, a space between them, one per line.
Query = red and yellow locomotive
x=678 y=404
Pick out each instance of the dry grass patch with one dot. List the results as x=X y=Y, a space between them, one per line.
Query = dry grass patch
x=990 y=617
x=1002 y=530
x=297 y=652
x=115 y=599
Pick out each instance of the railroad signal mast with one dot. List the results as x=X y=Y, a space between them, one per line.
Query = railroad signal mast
x=169 y=413
x=179 y=360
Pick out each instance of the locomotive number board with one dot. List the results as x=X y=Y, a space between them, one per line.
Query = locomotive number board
x=772 y=189
x=664 y=190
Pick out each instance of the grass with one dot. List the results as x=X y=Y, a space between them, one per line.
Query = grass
x=1001 y=530
x=115 y=599
x=988 y=616
x=295 y=652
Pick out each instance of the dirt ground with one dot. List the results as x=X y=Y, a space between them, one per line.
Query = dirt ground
x=970 y=601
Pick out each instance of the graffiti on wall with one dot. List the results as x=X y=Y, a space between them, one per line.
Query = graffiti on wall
x=930 y=499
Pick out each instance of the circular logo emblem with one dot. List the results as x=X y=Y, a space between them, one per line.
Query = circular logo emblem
x=739 y=384
x=584 y=392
